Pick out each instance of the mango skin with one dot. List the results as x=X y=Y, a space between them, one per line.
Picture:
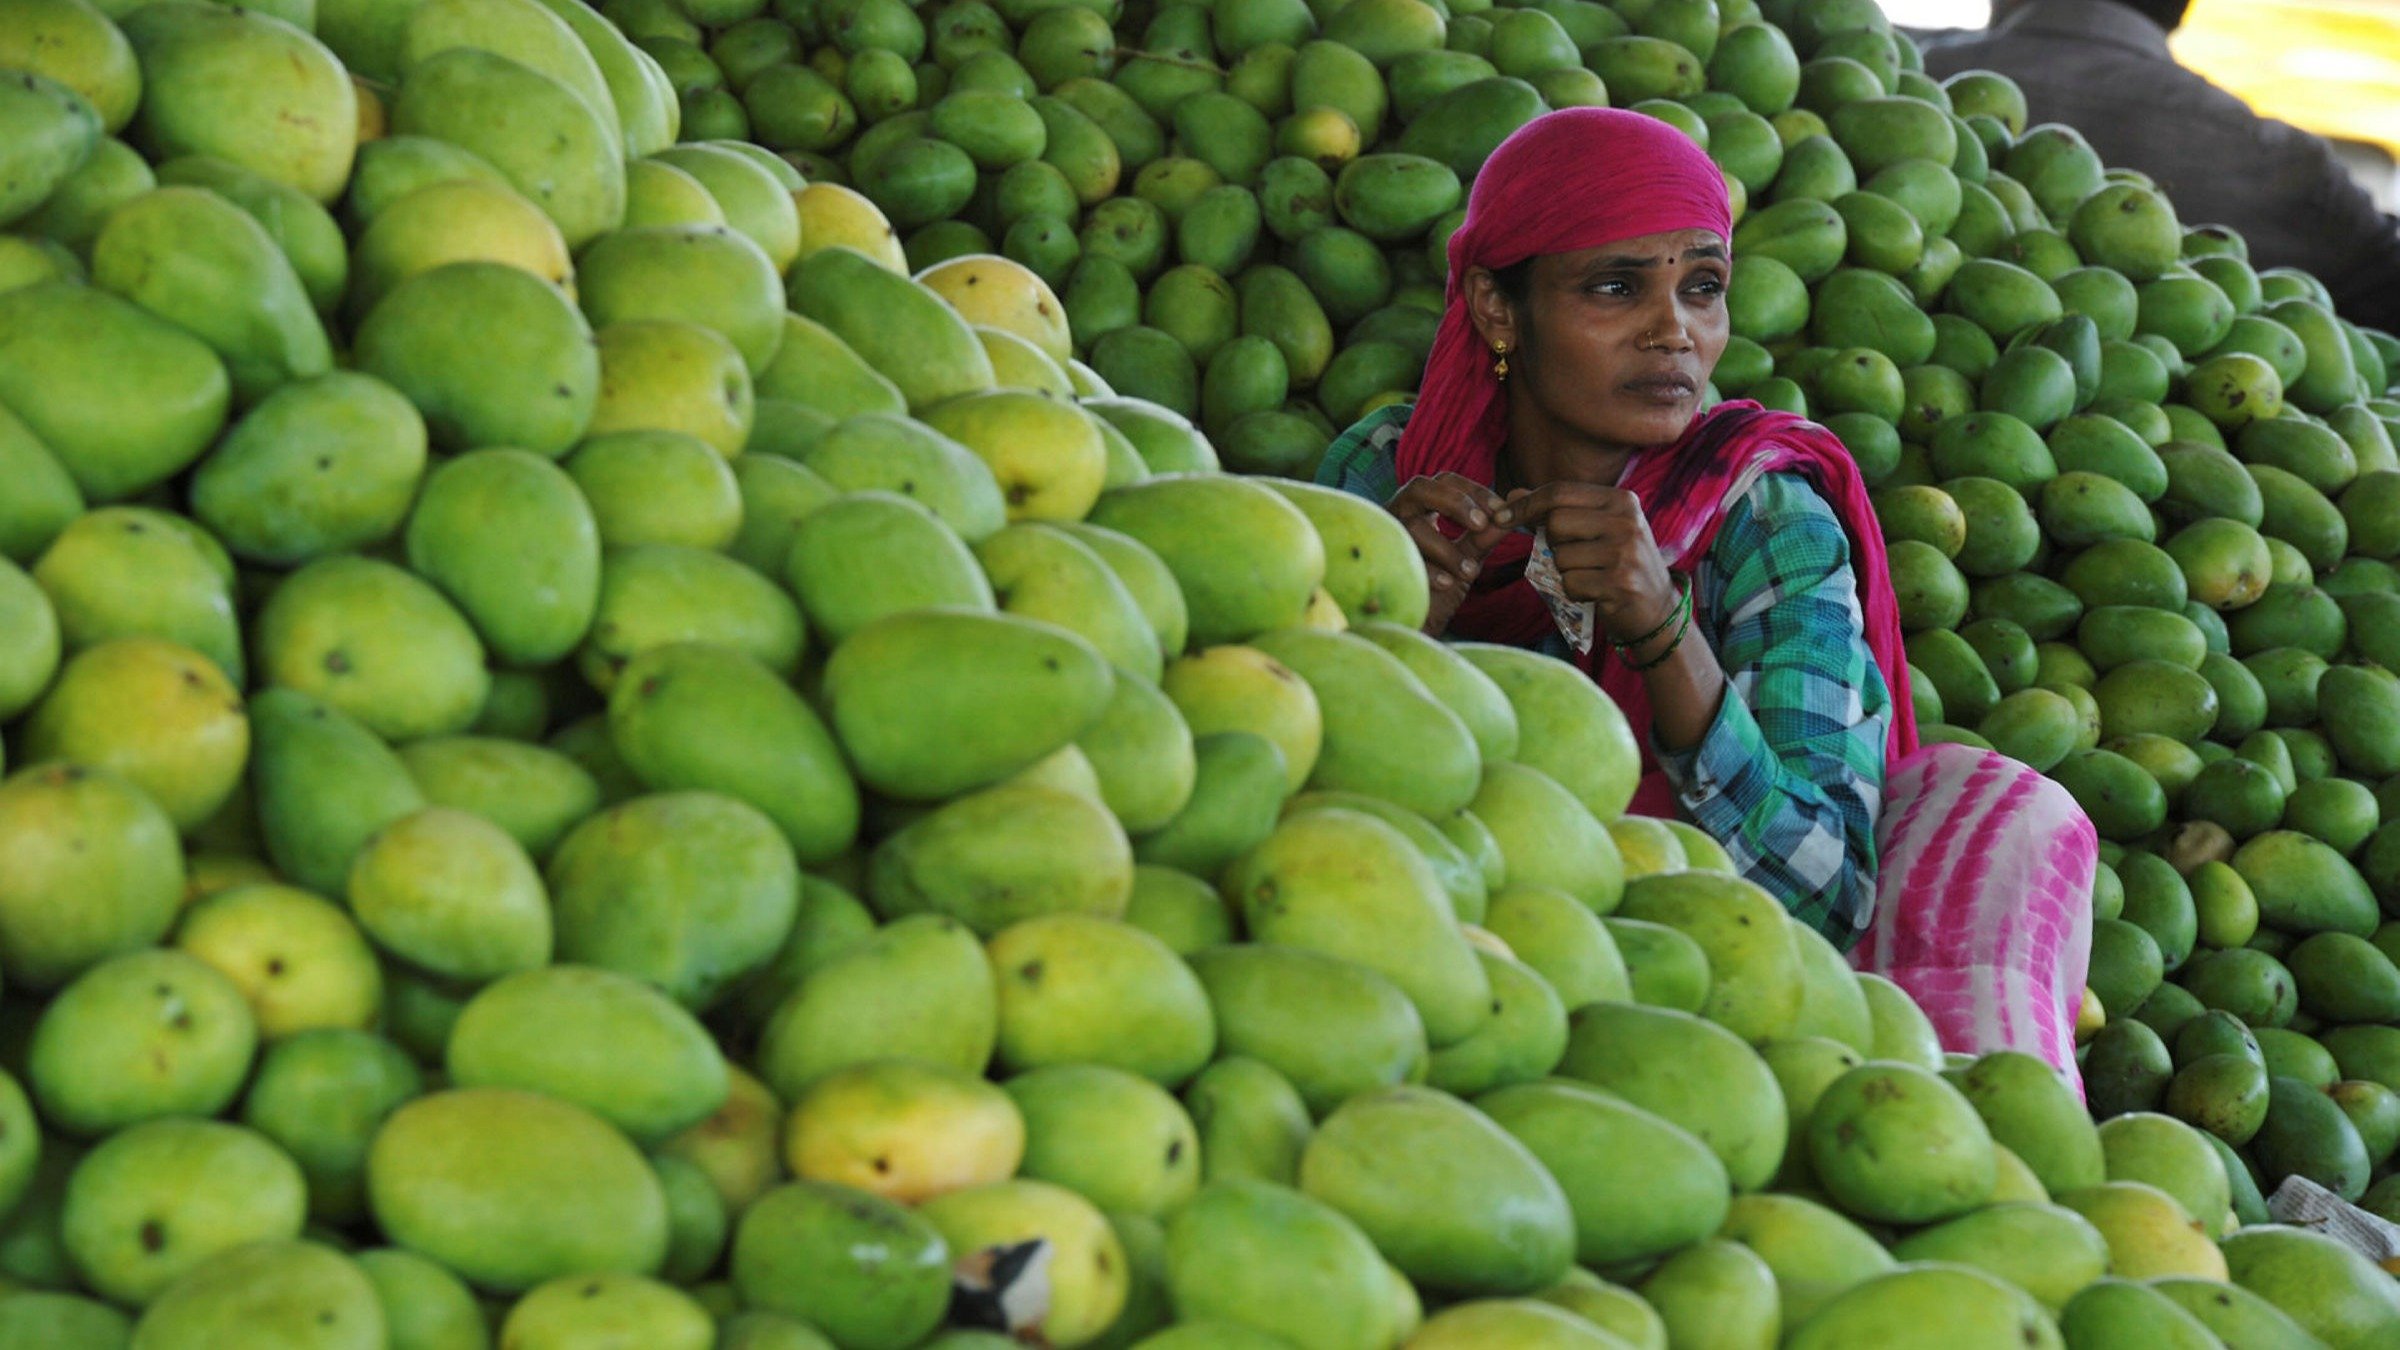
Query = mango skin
x=601 y=1040
x=1360 y=1031
x=508 y=537
x=1385 y=735
x=1264 y=1256
x=553 y=147
x=1352 y=887
x=1233 y=593
x=50 y=132
x=670 y=715
x=511 y=1188
x=491 y=354
x=922 y=723
x=687 y=890
x=323 y=784
x=68 y=355
x=268 y=493
x=1639 y=1187
x=201 y=262
x=247 y=88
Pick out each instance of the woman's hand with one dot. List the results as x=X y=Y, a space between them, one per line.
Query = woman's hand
x=1483 y=520
x=1601 y=542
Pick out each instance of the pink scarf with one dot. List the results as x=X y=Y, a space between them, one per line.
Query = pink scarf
x=1583 y=178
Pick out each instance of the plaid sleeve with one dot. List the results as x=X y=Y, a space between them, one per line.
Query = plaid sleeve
x=1360 y=460
x=1789 y=778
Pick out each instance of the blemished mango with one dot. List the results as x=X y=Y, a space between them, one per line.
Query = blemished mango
x=245 y=87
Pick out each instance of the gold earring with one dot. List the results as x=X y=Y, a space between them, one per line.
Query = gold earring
x=1500 y=363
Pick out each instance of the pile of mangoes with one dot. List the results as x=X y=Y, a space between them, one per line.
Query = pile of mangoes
x=643 y=713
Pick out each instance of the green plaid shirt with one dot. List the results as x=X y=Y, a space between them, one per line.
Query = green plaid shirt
x=1789 y=777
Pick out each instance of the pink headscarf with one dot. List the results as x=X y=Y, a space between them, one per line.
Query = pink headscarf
x=1582 y=178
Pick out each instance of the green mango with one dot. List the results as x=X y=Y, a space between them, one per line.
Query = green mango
x=512 y=1188
x=1251 y=1120
x=816 y=369
x=113 y=175
x=60 y=338
x=565 y=1031
x=1377 y=694
x=871 y=554
x=1005 y=854
x=2002 y=298
x=2366 y=734
x=1372 y=568
x=2331 y=1291
x=1692 y=1073
x=97 y=874
x=52 y=133
x=1035 y=688
x=886 y=452
x=45 y=1320
x=1756 y=963
x=1502 y=1225
x=2304 y=887
x=247 y=88
x=1187 y=519
x=1270 y=1259
x=1452 y=679
x=1804 y=234
x=324 y=784
x=535 y=388
x=1238 y=786
x=1292 y=893
x=1568 y=729
x=125 y=571
x=1360 y=1031
x=1096 y=1130
x=920 y=987
x=1462 y=127
x=2235 y=1314
x=1563 y=942
x=2189 y=312
x=1956 y=672
x=2050 y=1252
x=1638 y=1186
x=534 y=793
x=2344 y=978
x=1879 y=132
x=508 y=537
x=2330 y=377
x=666 y=715
x=323 y=465
x=719 y=920
x=2030 y=1111
x=1520 y=1042
x=43 y=500
x=376 y=642
x=2112 y=1313
x=901 y=329
x=1967 y=1306
x=1879 y=1113
x=561 y=152
x=1547 y=839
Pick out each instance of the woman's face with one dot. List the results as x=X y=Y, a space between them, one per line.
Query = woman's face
x=1612 y=346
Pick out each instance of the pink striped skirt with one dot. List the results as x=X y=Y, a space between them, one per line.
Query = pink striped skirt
x=1983 y=906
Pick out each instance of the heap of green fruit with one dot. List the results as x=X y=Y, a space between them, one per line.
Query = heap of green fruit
x=599 y=764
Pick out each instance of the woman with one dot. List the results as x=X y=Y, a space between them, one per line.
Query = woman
x=1721 y=575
